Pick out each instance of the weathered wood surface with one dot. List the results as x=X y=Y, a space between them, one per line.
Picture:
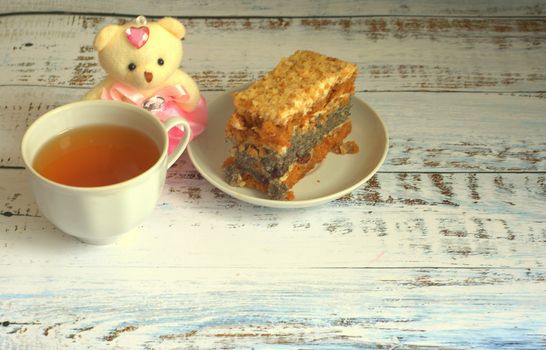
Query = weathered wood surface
x=443 y=249
x=393 y=53
x=225 y=8
x=429 y=132
x=90 y=308
x=408 y=220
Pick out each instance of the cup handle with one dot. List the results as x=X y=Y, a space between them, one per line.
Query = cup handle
x=177 y=152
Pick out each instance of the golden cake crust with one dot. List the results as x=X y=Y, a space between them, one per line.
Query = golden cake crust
x=292 y=88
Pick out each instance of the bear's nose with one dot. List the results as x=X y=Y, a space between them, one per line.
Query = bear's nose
x=148 y=76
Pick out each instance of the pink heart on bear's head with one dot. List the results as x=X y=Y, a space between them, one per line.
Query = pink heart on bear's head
x=137 y=36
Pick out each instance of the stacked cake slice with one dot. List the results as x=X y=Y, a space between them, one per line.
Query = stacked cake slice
x=286 y=123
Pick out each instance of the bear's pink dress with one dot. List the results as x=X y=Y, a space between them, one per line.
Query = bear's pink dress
x=165 y=103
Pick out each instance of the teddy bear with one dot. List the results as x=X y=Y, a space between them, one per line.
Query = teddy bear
x=142 y=60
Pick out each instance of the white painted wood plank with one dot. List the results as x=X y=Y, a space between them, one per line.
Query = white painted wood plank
x=408 y=220
x=166 y=308
x=428 y=131
x=321 y=278
x=393 y=53
x=284 y=7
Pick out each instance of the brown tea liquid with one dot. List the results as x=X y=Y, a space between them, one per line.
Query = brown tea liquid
x=97 y=155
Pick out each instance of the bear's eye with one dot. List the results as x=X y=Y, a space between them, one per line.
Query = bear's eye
x=131 y=66
x=160 y=61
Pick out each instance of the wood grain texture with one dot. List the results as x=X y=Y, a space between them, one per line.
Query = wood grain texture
x=428 y=131
x=461 y=220
x=443 y=249
x=284 y=8
x=168 y=308
x=393 y=53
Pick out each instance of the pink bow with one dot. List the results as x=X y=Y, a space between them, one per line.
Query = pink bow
x=167 y=102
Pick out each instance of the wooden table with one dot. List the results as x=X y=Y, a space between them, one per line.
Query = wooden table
x=444 y=248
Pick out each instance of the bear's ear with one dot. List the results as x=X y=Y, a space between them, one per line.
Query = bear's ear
x=104 y=36
x=173 y=26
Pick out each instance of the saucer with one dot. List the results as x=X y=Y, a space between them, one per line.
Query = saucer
x=336 y=176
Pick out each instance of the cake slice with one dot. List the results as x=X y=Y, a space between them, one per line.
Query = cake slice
x=286 y=123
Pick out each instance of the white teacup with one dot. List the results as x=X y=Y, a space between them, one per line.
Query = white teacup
x=100 y=215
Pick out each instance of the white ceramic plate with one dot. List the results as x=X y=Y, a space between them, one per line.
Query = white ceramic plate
x=336 y=176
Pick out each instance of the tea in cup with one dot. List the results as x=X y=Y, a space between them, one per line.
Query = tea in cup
x=97 y=168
